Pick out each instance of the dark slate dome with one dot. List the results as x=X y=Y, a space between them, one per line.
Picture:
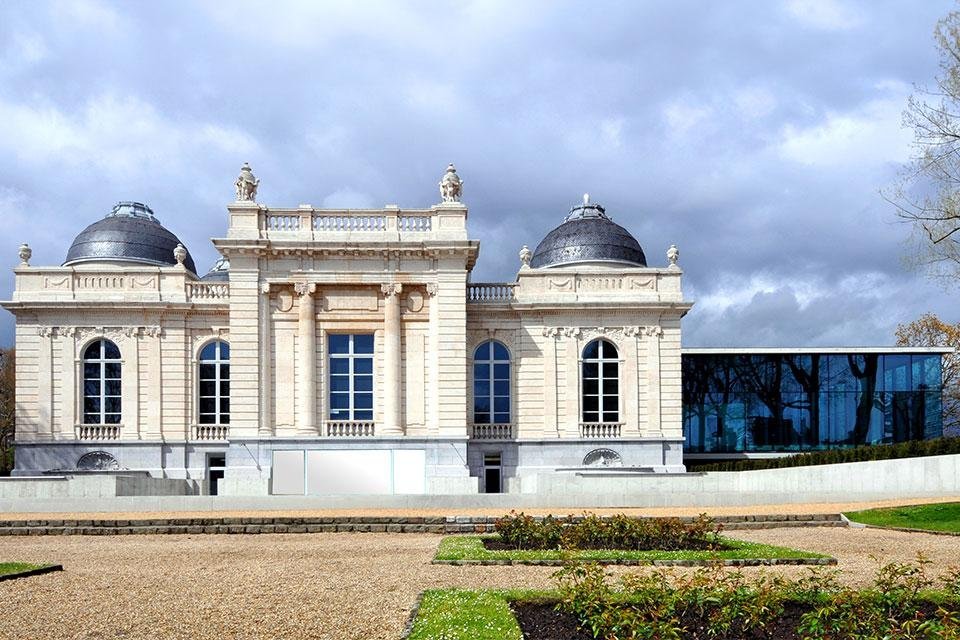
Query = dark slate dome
x=219 y=273
x=129 y=233
x=588 y=235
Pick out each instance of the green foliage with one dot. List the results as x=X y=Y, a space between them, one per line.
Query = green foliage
x=912 y=449
x=456 y=614
x=727 y=605
x=590 y=531
x=935 y=517
x=471 y=549
x=7 y=568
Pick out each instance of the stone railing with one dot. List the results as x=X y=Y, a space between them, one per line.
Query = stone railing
x=491 y=432
x=491 y=292
x=347 y=222
x=206 y=291
x=390 y=223
x=349 y=429
x=98 y=431
x=600 y=429
x=211 y=432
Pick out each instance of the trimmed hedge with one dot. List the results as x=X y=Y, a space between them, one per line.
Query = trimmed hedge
x=913 y=449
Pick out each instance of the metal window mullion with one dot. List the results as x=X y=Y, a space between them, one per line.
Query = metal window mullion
x=103 y=384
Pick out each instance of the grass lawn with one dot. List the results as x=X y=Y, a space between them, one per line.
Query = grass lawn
x=935 y=517
x=471 y=549
x=7 y=568
x=459 y=614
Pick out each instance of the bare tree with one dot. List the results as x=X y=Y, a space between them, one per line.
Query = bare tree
x=7 y=408
x=930 y=331
x=928 y=194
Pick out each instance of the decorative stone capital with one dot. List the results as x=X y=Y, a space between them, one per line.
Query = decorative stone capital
x=265 y=288
x=572 y=332
x=45 y=332
x=153 y=332
x=432 y=289
x=551 y=332
x=131 y=332
x=391 y=289
x=655 y=331
x=66 y=332
x=305 y=288
x=632 y=332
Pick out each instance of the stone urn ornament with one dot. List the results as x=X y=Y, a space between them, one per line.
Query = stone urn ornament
x=180 y=254
x=525 y=256
x=673 y=254
x=246 y=184
x=25 y=254
x=451 y=186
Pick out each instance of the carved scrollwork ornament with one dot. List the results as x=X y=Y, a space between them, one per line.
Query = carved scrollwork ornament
x=153 y=332
x=551 y=332
x=45 y=332
x=653 y=331
x=131 y=332
x=432 y=289
x=66 y=332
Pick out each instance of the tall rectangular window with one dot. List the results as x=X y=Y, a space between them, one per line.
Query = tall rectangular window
x=351 y=376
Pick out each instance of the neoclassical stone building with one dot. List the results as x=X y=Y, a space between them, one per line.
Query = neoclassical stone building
x=334 y=351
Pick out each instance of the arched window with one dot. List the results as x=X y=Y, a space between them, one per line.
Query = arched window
x=101 y=383
x=215 y=383
x=601 y=382
x=491 y=384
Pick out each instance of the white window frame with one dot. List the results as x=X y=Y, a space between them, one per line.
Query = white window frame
x=492 y=396
x=218 y=396
x=351 y=356
x=101 y=361
x=600 y=360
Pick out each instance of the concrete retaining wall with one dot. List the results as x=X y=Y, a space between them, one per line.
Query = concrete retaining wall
x=92 y=486
x=935 y=476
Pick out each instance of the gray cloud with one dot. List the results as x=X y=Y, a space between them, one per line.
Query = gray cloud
x=755 y=135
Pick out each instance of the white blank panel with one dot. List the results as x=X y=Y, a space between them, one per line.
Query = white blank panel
x=348 y=472
x=409 y=470
x=287 y=473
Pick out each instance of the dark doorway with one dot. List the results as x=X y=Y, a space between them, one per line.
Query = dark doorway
x=215 y=467
x=492 y=475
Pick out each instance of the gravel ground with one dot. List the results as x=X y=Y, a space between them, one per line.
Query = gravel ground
x=799 y=508
x=337 y=586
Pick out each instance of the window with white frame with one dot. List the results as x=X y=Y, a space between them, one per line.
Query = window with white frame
x=351 y=376
x=491 y=384
x=214 y=381
x=601 y=382
x=101 y=383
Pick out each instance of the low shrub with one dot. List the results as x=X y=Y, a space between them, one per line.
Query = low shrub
x=521 y=531
x=866 y=453
x=714 y=603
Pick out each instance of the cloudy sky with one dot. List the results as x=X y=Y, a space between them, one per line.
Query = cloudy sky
x=755 y=135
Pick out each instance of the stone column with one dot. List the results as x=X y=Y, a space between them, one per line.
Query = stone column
x=391 y=359
x=306 y=356
x=267 y=427
x=653 y=333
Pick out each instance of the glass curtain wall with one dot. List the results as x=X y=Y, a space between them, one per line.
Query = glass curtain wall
x=805 y=402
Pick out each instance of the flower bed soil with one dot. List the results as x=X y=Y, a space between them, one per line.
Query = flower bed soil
x=494 y=544
x=540 y=621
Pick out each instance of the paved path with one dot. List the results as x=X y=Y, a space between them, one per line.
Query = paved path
x=803 y=508
x=329 y=586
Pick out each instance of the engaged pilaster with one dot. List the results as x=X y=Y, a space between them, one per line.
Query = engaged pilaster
x=306 y=355
x=391 y=359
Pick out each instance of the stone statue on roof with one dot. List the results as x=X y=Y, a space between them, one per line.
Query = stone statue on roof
x=246 y=184
x=451 y=186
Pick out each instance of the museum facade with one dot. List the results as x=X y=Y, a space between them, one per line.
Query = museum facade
x=348 y=351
